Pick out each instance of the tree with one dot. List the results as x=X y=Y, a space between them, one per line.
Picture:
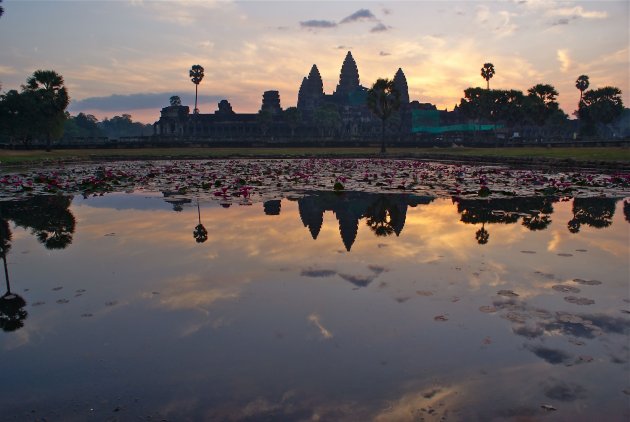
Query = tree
x=487 y=72
x=1 y=9
x=200 y=233
x=601 y=105
x=18 y=113
x=327 y=119
x=175 y=101
x=383 y=99
x=582 y=84
x=293 y=117
x=52 y=99
x=196 y=75
x=265 y=120
x=541 y=103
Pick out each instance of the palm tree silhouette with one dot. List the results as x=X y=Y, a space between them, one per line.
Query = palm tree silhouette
x=196 y=75
x=487 y=72
x=200 y=233
x=383 y=99
x=48 y=87
x=12 y=313
x=482 y=235
x=582 y=84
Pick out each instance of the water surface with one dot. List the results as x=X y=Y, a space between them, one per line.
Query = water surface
x=319 y=306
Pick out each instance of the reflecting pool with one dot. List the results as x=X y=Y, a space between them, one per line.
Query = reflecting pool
x=315 y=306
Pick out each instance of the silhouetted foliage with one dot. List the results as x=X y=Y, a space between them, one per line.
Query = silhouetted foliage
x=487 y=72
x=37 y=112
x=122 y=126
x=48 y=217
x=175 y=101
x=82 y=126
x=12 y=312
x=541 y=103
x=51 y=99
x=582 y=83
x=327 y=119
x=293 y=117
x=200 y=233
x=265 y=120
x=196 y=76
x=383 y=99
x=594 y=212
x=600 y=106
x=482 y=235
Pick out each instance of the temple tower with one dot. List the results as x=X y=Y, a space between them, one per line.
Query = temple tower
x=349 y=76
x=311 y=91
x=271 y=102
x=400 y=82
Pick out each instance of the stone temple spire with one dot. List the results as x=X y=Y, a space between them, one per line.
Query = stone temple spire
x=349 y=76
x=400 y=82
x=311 y=91
x=316 y=86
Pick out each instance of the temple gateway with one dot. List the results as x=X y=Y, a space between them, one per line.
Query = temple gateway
x=342 y=115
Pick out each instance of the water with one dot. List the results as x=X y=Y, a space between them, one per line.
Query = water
x=319 y=306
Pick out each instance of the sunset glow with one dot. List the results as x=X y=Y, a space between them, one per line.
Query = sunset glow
x=131 y=56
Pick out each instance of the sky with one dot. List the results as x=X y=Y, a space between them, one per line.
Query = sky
x=131 y=56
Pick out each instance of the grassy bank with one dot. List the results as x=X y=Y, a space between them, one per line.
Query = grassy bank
x=577 y=155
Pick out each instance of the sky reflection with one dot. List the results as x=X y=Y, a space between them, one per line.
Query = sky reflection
x=265 y=321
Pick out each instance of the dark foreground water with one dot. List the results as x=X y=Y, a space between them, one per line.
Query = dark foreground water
x=321 y=306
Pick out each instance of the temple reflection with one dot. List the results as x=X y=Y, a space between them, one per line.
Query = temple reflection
x=384 y=213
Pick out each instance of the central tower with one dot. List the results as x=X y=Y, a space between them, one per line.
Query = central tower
x=349 y=77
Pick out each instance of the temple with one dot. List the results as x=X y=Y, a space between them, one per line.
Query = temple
x=339 y=116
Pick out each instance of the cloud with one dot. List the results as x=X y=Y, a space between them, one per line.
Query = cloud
x=380 y=27
x=310 y=272
x=561 y=21
x=118 y=102
x=314 y=319
x=359 y=16
x=499 y=23
x=564 y=59
x=576 y=12
x=384 y=53
x=318 y=24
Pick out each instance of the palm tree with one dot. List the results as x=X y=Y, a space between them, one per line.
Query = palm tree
x=487 y=72
x=582 y=84
x=196 y=75
x=52 y=99
x=482 y=235
x=383 y=99
x=175 y=101
x=200 y=233
x=1 y=9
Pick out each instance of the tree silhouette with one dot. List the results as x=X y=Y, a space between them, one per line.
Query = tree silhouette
x=52 y=98
x=487 y=72
x=383 y=99
x=482 y=235
x=293 y=117
x=541 y=103
x=594 y=212
x=196 y=75
x=48 y=217
x=200 y=233
x=601 y=105
x=12 y=313
x=175 y=101
x=1 y=9
x=380 y=217
x=582 y=84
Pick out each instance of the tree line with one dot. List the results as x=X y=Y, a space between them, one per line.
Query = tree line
x=37 y=112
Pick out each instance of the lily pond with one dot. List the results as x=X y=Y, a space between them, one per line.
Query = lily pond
x=323 y=290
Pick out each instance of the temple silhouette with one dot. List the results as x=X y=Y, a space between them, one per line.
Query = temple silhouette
x=385 y=214
x=341 y=115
